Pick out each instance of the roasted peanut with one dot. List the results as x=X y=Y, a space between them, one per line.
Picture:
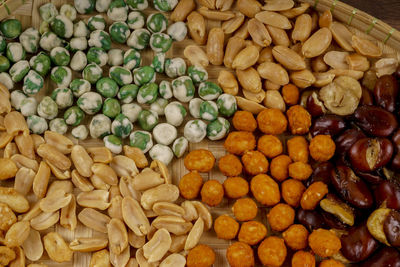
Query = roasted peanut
x=15 y=123
x=33 y=246
x=182 y=10
x=16 y=201
x=88 y=244
x=215 y=46
x=228 y=82
x=17 y=234
x=317 y=43
x=196 y=56
x=45 y=220
x=100 y=154
x=25 y=145
x=54 y=156
x=56 y=247
x=273 y=72
x=134 y=216
x=302 y=28
x=197 y=27
x=259 y=32
x=94 y=219
x=117 y=236
x=158 y=245
x=68 y=215
x=137 y=155
x=233 y=24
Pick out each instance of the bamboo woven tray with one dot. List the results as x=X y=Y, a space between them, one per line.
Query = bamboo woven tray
x=359 y=22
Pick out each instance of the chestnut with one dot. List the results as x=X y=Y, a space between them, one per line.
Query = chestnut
x=315 y=106
x=370 y=177
x=375 y=121
x=328 y=124
x=386 y=91
x=369 y=154
x=367 y=98
x=391 y=227
x=396 y=139
x=388 y=192
x=311 y=219
x=347 y=139
x=321 y=172
x=386 y=257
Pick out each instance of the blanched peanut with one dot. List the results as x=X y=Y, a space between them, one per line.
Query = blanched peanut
x=17 y=234
x=59 y=141
x=68 y=215
x=88 y=244
x=94 y=219
x=82 y=161
x=33 y=246
x=137 y=155
x=100 y=154
x=8 y=169
x=117 y=236
x=24 y=180
x=25 y=145
x=215 y=46
x=13 y=199
x=158 y=245
x=56 y=247
x=15 y=123
x=54 y=156
x=45 y=220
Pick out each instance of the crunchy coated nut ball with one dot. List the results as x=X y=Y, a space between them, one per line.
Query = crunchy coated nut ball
x=190 y=185
x=292 y=191
x=236 y=187
x=300 y=170
x=322 y=148
x=299 y=119
x=212 y=193
x=226 y=227
x=303 y=259
x=239 y=142
x=252 y=232
x=280 y=167
x=270 y=145
x=331 y=263
x=230 y=165
x=296 y=237
x=290 y=94
x=281 y=217
x=244 y=121
x=324 y=242
x=271 y=121
x=240 y=254
x=245 y=209
x=200 y=256
x=265 y=190
x=313 y=195
x=255 y=162
x=298 y=149
x=272 y=251
x=200 y=160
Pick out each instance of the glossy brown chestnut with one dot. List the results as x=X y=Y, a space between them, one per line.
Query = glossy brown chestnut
x=396 y=158
x=333 y=222
x=391 y=227
x=367 y=99
x=328 y=124
x=396 y=139
x=347 y=139
x=386 y=257
x=370 y=177
x=311 y=219
x=321 y=172
x=369 y=154
x=388 y=192
x=375 y=121
x=386 y=91
x=315 y=106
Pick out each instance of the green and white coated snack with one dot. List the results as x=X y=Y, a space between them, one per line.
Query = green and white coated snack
x=100 y=126
x=41 y=63
x=111 y=107
x=119 y=32
x=79 y=87
x=160 y=42
x=100 y=38
x=17 y=96
x=33 y=83
x=175 y=67
x=139 y=39
x=142 y=140
x=118 y=10
x=84 y=6
x=161 y=153
x=96 y=23
x=58 y=125
x=36 y=124
x=28 y=106
x=60 y=56
x=147 y=94
x=137 y=4
x=102 y=5
x=136 y=19
x=121 y=75
x=147 y=119
x=63 y=97
x=144 y=75
x=90 y=102
x=69 y=11
x=158 y=62
x=132 y=59
x=198 y=74
x=92 y=73
x=156 y=22
x=5 y=79
x=47 y=108
x=209 y=90
x=128 y=93
x=49 y=40
x=3 y=44
x=218 y=129
x=165 y=5
x=48 y=12
x=121 y=126
x=19 y=70
x=113 y=143
x=131 y=111
x=4 y=63
x=165 y=133
x=208 y=110
x=78 y=61
x=194 y=107
x=195 y=131
x=180 y=146
x=61 y=75
x=80 y=132
x=29 y=39
x=183 y=89
x=107 y=87
x=73 y=116
x=78 y=43
x=62 y=26
x=44 y=27
x=81 y=29
x=159 y=105
x=177 y=31
x=175 y=113
x=165 y=89
x=97 y=55
x=115 y=57
x=227 y=105
x=15 y=52
x=11 y=28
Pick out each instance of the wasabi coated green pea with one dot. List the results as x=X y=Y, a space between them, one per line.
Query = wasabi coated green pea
x=96 y=23
x=159 y=105
x=195 y=131
x=11 y=28
x=177 y=31
x=68 y=11
x=183 y=89
x=15 y=52
x=227 y=105
x=33 y=83
x=84 y=6
x=131 y=111
x=148 y=93
x=119 y=32
x=78 y=61
x=156 y=22
x=180 y=146
x=160 y=42
x=78 y=43
x=218 y=129
x=48 y=12
x=36 y=124
x=79 y=87
x=73 y=116
x=175 y=67
x=128 y=93
x=121 y=126
x=17 y=96
x=165 y=89
x=58 y=125
x=19 y=70
x=49 y=40
x=142 y=140
x=81 y=29
x=137 y=4
x=165 y=5
x=80 y=132
x=100 y=126
x=162 y=153
x=107 y=87
x=135 y=19
x=121 y=75
x=4 y=64
x=143 y=75
x=90 y=102
x=148 y=119
x=118 y=10
x=30 y=40
x=194 y=107
x=99 y=38
x=97 y=55
x=113 y=143
x=3 y=44
x=111 y=107
x=158 y=62
x=5 y=79
x=132 y=59
x=47 y=108
x=139 y=39
x=92 y=73
x=175 y=113
x=62 y=26
x=60 y=56
x=28 y=106
x=40 y=63
x=198 y=74
x=63 y=97
x=208 y=110
x=61 y=75
x=102 y=5
x=209 y=90
x=165 y=133
x=115 y=57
